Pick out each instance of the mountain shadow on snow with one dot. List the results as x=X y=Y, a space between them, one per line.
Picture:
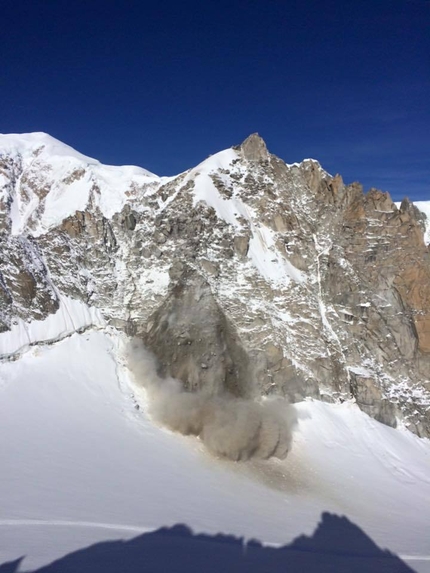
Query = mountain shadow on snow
x=11 y=566
x=336 y=546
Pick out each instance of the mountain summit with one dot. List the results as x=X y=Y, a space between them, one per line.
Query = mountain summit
x=243 y=274
x=254 y=148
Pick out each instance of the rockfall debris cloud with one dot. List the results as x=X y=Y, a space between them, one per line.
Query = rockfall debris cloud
x=230 y=427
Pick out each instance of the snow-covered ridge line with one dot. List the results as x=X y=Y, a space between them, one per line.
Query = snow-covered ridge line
x=72 y=316
x=32 y=143
x=56 y=181
x=29 y=143
x=52 y=181
x=262 y=252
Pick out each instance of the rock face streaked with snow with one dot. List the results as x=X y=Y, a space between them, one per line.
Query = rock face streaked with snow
x=243 y=273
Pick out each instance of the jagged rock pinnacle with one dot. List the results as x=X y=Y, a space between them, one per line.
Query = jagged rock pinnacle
x=254 y=148
x=408 y=207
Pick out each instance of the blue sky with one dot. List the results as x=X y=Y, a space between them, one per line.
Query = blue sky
x=163 y=85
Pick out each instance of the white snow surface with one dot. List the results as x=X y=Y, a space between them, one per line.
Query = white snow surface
x=72 y=316
x=55 y=166
x=80 y=464
x=206 y=191
x=268 y=261
x=25 y=144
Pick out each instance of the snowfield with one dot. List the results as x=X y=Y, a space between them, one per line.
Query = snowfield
x=80 y=464
x=72 y=316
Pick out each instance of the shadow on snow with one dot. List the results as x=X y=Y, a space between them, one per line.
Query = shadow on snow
x=336 y=546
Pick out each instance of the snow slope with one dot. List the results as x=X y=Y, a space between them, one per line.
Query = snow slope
x=262 y=253
x=69 y=178
x=72 y=316
x=81 y=464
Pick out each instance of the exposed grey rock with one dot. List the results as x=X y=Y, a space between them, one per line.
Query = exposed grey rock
x=130 y=222
x=254 y=148
x=209 y=267
x=191 y=314
x=176 y=270
x=407 y=206
x=370 y=398
x=159 y=238
x=274 y=354
x=241 y=245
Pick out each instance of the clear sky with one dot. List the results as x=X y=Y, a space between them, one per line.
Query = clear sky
x=163 y=85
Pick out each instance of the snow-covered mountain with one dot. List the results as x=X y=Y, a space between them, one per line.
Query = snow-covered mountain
x=243 y=275
x=280 y=278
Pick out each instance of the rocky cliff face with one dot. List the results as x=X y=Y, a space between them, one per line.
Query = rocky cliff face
x=243 y=274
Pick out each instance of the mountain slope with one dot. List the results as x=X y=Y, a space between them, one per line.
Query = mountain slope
x=81 y=464
x=323 y=291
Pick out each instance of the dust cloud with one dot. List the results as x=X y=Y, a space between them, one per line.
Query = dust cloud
x=233 y=428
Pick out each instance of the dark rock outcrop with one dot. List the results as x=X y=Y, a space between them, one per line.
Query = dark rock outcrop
x=194 y=341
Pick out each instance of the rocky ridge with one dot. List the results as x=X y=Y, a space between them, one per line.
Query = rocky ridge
x=242 y=274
